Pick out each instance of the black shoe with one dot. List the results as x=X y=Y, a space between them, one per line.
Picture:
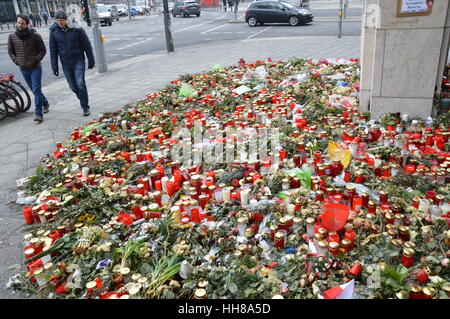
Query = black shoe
x=38 y=118
x=86 y=112
x=45 y=109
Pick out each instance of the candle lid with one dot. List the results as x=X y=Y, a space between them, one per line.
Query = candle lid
x=29 y=251
x=397 y=242
x=333 y=245
x=408 y=252
x=318 y=236
x=279 y=235
x=48 y=266
x=91 y=284
x=136 y=276
x=322 y=244
x=346 y=242
x=403 y=229
x=243 y=247
x=38 y=271
x=402 y=294
x=125 y=271
x=410 y=244
x=200 y=293
x=416 y=289
x=429 y=291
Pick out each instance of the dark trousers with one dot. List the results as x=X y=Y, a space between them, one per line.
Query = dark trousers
x=34 y=79
x=75 y=77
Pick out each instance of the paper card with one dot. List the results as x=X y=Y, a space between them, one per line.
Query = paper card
x=242 y=89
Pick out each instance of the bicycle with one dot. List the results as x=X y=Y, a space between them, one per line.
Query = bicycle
x=10 y=101
x=8 y=79
x=3 y=109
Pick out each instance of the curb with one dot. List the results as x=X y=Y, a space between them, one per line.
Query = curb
x=335 y=20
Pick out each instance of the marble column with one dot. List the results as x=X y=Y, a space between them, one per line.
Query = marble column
x=402 y=64
x=16 y=7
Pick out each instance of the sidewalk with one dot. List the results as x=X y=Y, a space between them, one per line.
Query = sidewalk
x=24 y=142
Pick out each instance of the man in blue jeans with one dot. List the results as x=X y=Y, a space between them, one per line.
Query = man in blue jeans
x=71 y=45
x=26 y=49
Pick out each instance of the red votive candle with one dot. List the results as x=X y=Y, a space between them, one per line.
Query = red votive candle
x=28 y=215
x=408 y=257
x=357 y=203
x=195 y=215
x=350 y=234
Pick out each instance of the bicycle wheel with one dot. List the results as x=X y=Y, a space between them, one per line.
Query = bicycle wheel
x=3 y=109
x=27 y=98
x=12 y=90
x=10 y=101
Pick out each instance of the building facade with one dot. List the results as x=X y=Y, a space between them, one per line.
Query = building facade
x=10 y=8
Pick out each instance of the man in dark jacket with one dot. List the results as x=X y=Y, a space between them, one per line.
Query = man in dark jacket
x=32 y=19
x=71 y=44
x=45 y=17
x=26 y=49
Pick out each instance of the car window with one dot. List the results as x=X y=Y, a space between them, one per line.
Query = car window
x=289 y=5
x=276 y=6
x=191 y=3
x=264 y=5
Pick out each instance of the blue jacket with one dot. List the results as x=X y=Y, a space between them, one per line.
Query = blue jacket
x=70 y=45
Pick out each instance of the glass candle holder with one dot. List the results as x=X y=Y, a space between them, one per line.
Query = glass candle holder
x=408 y=257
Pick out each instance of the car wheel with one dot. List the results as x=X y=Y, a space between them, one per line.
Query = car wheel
x=174 y=15
x=252 y=22
x=293 y=21
x=198 y=14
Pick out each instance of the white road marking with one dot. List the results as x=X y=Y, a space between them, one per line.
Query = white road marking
x=134 y=44
x=259 y=32
x=220 y=26
x=117 y=54
x=197 y=25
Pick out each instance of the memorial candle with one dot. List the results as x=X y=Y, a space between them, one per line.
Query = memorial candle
x=244 y=196
x=226 y=195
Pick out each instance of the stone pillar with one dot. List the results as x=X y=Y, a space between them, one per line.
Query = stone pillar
x=445 y=52
x=368 y=26
x=28 y=6
x=402 y=59
x=16 y=7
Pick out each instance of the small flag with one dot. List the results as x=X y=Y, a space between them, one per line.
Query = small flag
x=344 y=291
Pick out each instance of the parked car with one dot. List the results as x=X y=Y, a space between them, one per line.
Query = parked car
x=123 y=9
x=260 y=12
x=186 y=8
x=114 y=12
x=104 y=14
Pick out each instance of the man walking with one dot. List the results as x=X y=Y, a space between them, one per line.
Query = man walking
x=26 y=49
x=45 y=17
x=71 y=45
x=38 y=20
x=32 y=19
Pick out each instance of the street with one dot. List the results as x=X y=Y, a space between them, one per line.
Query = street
x=145 y=35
